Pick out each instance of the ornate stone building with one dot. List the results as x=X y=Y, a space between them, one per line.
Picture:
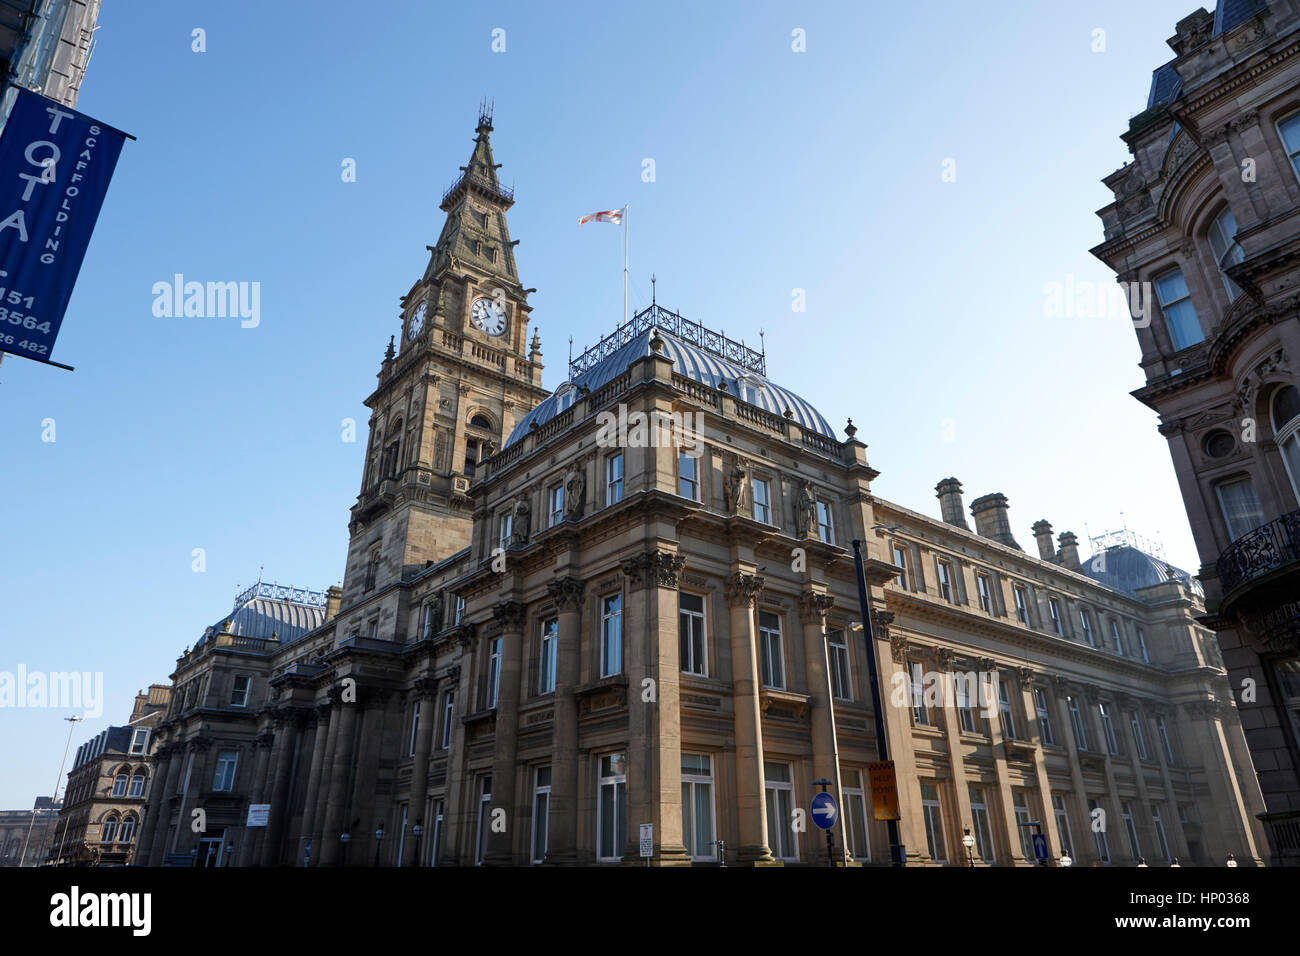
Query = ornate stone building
x=99 y=823
x=26 y=835
x=632 y=602
x=1203 y=234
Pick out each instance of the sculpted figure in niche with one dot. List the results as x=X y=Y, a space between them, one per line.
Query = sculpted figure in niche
x=522 y=520
x=805 y=509
x=733 y=486
x=575 y=488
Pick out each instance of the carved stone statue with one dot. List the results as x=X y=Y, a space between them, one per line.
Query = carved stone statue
x=733 y=485
x=805 y=509
x=522 y=521
x=575 y=489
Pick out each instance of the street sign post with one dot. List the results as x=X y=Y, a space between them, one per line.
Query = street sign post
x=824 y=811
x=258 y=814
x=1040 y=846
x=647 y=842
x=884 y=790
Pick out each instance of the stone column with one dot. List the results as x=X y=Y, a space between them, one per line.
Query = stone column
x=1085 y=842
x=314 y=797
x=340 y=768
x=1000 y=767
x=654 y=726
x=458 y=821
x=251 y=852
x=364 y=797
x=562 y=842
x=161 y=787
x=289 y=727
x=751 y=795
x=426 y=698
x=500 y=848
x=1047 y=814
x=1110 y=799
x=813 y=607
x=1202 y=721
x=892 y=657
x=194 y=757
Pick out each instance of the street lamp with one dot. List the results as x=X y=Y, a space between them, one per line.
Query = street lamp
x=72 y=722
x=1175 y=863
x=344 y=838
x=1231 y=861
x=1142 y=861
x=418 y=831
x=968 y=842
x=379 y=842
x=722 y=852
x=1066 y=859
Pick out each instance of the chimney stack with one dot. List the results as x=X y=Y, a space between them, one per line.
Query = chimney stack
x=1069 y=550
x=333 y=598
x=950 y=507
x=992 y=519
x=1043 y=534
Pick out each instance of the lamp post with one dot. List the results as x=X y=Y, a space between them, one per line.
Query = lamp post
x=897 y=852
x=379 y=841
x=722 y=852
x=418 y=831
x=72 y=722
x=1230 y=861
x=1066 y=859
x=968 y=842
x=344 y=839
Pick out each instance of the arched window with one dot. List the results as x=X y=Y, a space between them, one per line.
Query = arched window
x=388 y=468
x=108 y=830
x=1285 y=409
x=481 y=421
x=128 y=830
x=1227 y=253
x=119 y=784
x=137 y=785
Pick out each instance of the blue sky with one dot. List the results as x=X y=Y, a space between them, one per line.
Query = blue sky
x=775 y=171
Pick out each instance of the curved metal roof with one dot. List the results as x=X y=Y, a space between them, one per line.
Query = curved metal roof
x=1126 y=569
x=694 y=363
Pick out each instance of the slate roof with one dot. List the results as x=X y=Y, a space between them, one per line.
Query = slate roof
x=261 y=616
x=692 y=362
x=1126 y=569
x=1228 y=15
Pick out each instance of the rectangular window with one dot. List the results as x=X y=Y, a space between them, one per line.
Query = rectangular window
x=1062 y=824
x=837 y=650
x=762 y=500
x=435 y=840
x=692 y=647
x=933 y=822
x=1076 y=721
x=1085 y=624
x=484 y=820
x=1044 y=717
x=504 y=523
x=471 y=457
x=493 y=673
x=1054 y=612
x=541 y=812
x=120 y=784
x=430 y=626
x=140 y=741
x=1139 y=738
x=962 y=686
x=697 y=806
x=1126 y=814
x=900 y=560
x=239 y=693
x=1117 y=642
x=1022 y=603
x=1165 y=741
x=611 y=636
x=1176 y=304
x=780 y=811
x=770 y=650
x=448 y=712
x=137 y=786
x=546 y=655
x=920 y=716
x=1005 y=710
x=1240 y=505
x=613 y=479
x=688 y=476
x=415 y=728
x=1099 y=833
x=555 y=505
x=1020 y=803
x=856 y=834
x=825 y=526
x=985 y=586
x=460 y=609
x=611 y=812
x=1289 y=129
x=224 y=779
x=1158 y=826
x=1142 y=645
x=1108 y=727
x=979 y=812
x=944 y=577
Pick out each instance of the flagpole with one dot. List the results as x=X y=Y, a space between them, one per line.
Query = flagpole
x=625 y=263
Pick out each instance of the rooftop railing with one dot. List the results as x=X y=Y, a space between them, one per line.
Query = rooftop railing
x=656 y=316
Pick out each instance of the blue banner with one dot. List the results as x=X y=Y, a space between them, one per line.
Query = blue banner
x=55 y=166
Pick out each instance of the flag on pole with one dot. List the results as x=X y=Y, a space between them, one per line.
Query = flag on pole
x=609 y=215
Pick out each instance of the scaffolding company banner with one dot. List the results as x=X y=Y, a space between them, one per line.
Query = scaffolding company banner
x=55 y=166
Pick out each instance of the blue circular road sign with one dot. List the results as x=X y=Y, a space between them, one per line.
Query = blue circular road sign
x=824 y=811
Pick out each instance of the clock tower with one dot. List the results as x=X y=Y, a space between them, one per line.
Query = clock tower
x=463 y=375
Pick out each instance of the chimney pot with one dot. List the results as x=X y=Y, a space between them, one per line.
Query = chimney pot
x=948 y=492
x=1069 y=550
x=993 y=520
x=1043 y=535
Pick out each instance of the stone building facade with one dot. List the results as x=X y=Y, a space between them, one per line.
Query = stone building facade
x=633 y=602
x=26 y=835
x=1204 y=233
x=104 y=801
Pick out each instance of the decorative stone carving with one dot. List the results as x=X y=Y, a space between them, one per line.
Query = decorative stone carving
x=898 y=647
x=805 y=510
x=1026 y=675
x=813 y=608
x=521 y=526
x=943 y=657
x=733 y=485
x=744 y=589
x=424 y=688
x=510 y=614
x=575 y=490
x=566 y=593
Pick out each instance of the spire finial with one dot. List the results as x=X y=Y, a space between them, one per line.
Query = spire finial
x=388 y=355
x=652 y=288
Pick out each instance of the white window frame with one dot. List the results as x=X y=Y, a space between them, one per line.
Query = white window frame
x=780 y=809
x=771 y=644
x=1005 y=711
x=692 y=628
x=555 y=505
x=1177 y=332
x=962 y=691
x=984 y=586
x=1139 y=738
x=1116 y=637
x=1103 y=845
x=839 y=660
x=900 y=560
x=1085 y=625
x=505 y=525
x=613 y=479
x=825 y=522
x=223 y=779
x=1054 y=613
x=548 y=640
x=493 y=672
x=1162 y=840
x=415 y=726
x=483 y=820
x=1062 y=816
x=140 y=741
x=136 y=787
x=691 y=781
x=932 y=811
x=920 y=713
x=611 y=635
x=435 y=839
x=108 y=831
x=1234 y=527
x=617 y=782
x=236 y=698
x=1076 y=723
x=857 y=831
x=1166 y=741
x=945 y=578
x=1045 y=730
x=1021 y=596
x=121 y=781
x=1108 y=729
x=542 y=812
x=1221 y=236
x=448 y=715
x=763 y=503
x=688 y=484
x=126 y=831
x=1142 y=645
x=1130 y=829
x=428 y=625
x=1283 y=125
x=983 y=832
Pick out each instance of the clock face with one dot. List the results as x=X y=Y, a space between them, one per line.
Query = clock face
x=488 y=316
x=417 y=321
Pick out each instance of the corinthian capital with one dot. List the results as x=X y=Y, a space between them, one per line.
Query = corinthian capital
x=510 y=614
x=813 y=608
x=743 y=589
x=566 y=593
